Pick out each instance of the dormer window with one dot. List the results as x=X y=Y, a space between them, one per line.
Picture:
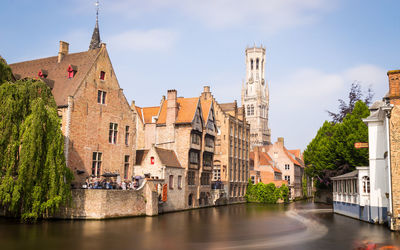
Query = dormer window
x=42 y=73
x=102 y=75
x=71 y=71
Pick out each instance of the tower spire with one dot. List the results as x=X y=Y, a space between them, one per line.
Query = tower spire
x=95 y=42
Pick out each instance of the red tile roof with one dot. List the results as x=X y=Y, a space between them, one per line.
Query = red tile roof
x=186 y=110
x=57 y=72
x=205 y=109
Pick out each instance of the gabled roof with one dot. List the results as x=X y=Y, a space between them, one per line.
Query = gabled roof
x=205 y=109
x=293 y=158
x=186 y=110
x=57 y=72
x=149 y=112
x=295 y=152
x=168 y=157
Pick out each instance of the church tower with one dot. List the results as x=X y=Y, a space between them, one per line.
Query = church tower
x=95 y=42
x=255 y=97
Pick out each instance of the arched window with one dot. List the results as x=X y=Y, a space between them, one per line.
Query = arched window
x=365 y=181
x=257 y=62
x=251 y=64
x=252 y=109
x=262 y=64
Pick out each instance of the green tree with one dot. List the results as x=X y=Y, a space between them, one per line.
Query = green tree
x=5 y=71
x=332 y=150
x=34 y=179
x=266 y=193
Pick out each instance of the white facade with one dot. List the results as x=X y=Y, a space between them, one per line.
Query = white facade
x=255 y=97
x=370 y=199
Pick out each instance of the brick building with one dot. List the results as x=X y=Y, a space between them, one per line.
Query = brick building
x=231 y=160
x=289 y=162
x=96 y=119
x=187 y=127
x=263 y=169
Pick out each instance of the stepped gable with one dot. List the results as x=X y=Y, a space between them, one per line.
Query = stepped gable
x=57 y=72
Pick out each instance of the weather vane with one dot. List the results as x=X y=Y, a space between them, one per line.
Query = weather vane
x=97 y=10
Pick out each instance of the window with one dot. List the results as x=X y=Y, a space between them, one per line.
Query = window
x=102 y=75
x=207 y=160
x=152 y=160
x=251 y=64
x=287 y=166
x=171 y=182
x=217 y=173
x=252 y=179
x=251 y=109
x=96 y=163
x=113 y=132
x=126 y=135
x=194 y=157
x=209 y=142
x=195 y=139
x=190 y=200
x=205 y=179
x=365 y=181
x=126 y=167
x=257 y=63
x=248 y=109
x=101 y=97
x=179 y=182
x=71 y=71
x=287 y=178
x=191 y=175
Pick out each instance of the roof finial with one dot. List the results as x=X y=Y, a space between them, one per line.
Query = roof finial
x=95 y=42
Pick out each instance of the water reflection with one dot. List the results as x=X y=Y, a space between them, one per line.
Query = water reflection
x=244 y=226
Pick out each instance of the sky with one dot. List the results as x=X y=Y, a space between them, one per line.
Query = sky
x=315 y=49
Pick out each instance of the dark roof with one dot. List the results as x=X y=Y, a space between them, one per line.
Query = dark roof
x=140 y=155
x=95 y=42
x=57 y=72
x=230 y=106
x=351 y=175
x=168 y=157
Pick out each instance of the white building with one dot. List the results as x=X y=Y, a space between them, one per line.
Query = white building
x=365 y=193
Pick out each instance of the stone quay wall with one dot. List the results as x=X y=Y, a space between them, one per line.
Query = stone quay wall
x=103 y=204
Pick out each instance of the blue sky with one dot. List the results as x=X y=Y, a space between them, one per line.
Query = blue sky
x=315 y=48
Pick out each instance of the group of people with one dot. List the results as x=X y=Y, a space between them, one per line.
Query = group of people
x=93 y=182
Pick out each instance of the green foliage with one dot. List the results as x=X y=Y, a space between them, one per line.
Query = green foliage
x=5 y=71
x=34 y=178
x=304 y=183
x=266 y=193
x=332 y=150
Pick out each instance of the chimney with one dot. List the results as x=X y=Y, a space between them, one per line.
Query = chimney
x=133 y=104
x=172 y=106
x=206 y=92
x=281 y=141
x=394 y=86
x=64 y=46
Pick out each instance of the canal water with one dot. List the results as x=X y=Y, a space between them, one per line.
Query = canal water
x=300 y=225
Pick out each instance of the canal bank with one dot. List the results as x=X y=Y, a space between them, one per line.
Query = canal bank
x=299 y=225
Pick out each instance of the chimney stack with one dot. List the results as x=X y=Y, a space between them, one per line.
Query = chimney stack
x=206 y=92
x=281 y=141
x=172 y=106
x=394 y=86
x=64 y=47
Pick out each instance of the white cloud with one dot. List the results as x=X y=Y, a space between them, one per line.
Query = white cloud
x=299 y=100
x=139 y=40
x=268 y=15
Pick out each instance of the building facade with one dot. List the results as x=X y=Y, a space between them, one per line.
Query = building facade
x=187 y=127
x=289 y=162
x=163 y=164
x=231 y=158
x=96 y=119
x=255 y=97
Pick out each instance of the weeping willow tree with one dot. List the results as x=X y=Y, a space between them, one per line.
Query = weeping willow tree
x=34 y=178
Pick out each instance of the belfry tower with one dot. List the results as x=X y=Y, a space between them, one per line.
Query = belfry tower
x=255 y=97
